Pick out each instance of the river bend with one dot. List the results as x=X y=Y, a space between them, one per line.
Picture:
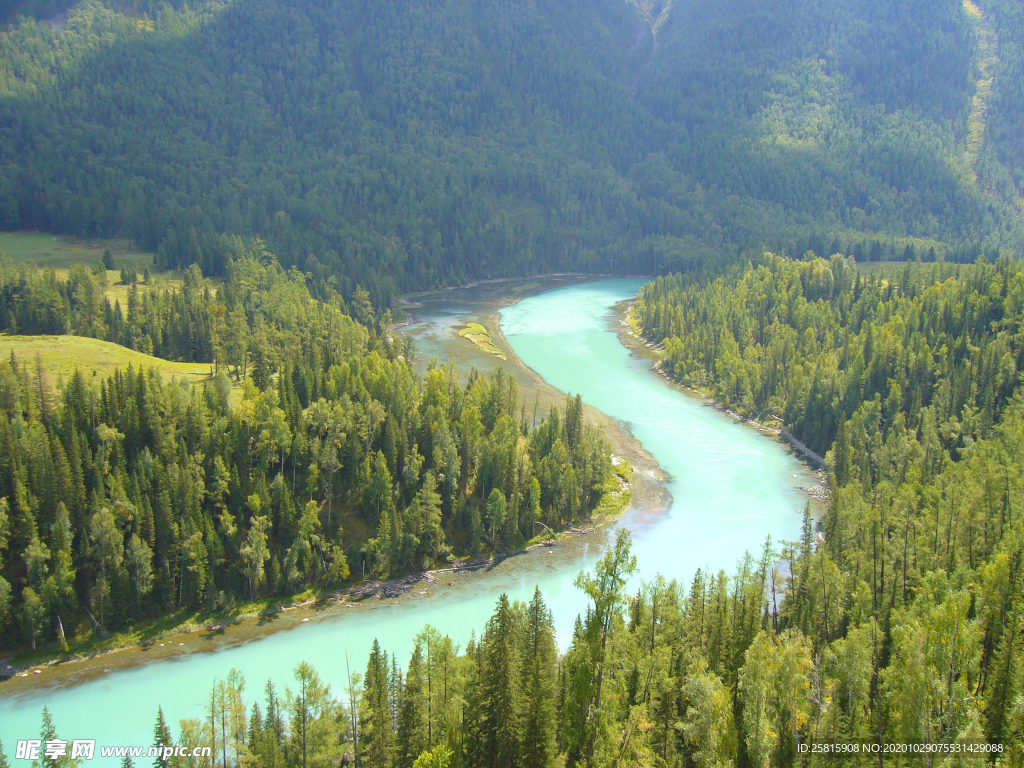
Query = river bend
x=730 y=488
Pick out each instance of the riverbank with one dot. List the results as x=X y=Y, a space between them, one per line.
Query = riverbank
x=648 y=485
x=243 y=621
x=630 y=336
x=170 y=631
x=731 y=488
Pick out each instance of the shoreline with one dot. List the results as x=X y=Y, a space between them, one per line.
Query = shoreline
x=221 y=628
x=645 y=490
x=633 y=341
x=256 y=620
x=348 y=597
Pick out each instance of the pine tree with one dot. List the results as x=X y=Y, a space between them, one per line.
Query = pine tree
x=376 y=737
x=307 y=705
x=413 y=724
x=268 y=750
x=161 y=738
x=539 y=660
x=498 y=729
x=47 y=733
x=61 y=583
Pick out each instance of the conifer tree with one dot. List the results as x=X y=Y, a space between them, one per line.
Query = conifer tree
x=498 y=728
x=539 y=661
x=161 y=738
x=48 y=733
x=308 y=704
x=413 y=714
x=376 y=736
x=61 y=582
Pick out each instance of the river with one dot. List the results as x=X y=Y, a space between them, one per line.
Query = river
x=730 y=487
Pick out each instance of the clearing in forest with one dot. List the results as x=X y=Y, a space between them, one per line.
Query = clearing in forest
x=60 y=356
x=60 y=252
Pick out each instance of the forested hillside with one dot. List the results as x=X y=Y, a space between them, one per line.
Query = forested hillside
x=402 y=145
x=378 y=147
x=126 y=498
x=817 y=344
x=1005 y=128
x=902 y=624
x=913 y=596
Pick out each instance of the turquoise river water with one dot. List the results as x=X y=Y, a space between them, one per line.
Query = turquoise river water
x=730 y=485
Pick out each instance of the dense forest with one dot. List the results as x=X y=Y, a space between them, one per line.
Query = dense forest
x=316 y=157
x=402 y=145
x=831 y=352
x=901 y=623
x=125 y=498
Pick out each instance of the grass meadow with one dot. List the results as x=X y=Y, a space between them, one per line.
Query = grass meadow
x=59 y=356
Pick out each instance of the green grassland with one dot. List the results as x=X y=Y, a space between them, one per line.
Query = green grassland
x=524 y=288
x=477 y=334
x=60 y=356
x=61 y=252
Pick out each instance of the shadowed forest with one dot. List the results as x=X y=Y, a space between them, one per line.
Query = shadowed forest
x=408 y=145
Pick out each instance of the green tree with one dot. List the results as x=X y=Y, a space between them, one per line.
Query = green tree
x=708 y=725
x=161 y=738
x=438 y=757
x=33 y=615
x=309 y=703
x=498 y=722
x=539 y=686
x=60 y=587
x=376 y=734
x=255 y=553
x=139 y=558
x=496 y=510
x=413 y=732
x=108 y=552
x=606 y=589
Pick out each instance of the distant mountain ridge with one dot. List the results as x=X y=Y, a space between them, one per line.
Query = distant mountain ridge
x=409 y=144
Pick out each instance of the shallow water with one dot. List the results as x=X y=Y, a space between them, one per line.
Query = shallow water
x=730 y=487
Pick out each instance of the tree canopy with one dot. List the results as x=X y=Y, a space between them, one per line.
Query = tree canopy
x=406 y=145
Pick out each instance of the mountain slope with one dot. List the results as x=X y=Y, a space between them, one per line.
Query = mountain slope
x=409 y=144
